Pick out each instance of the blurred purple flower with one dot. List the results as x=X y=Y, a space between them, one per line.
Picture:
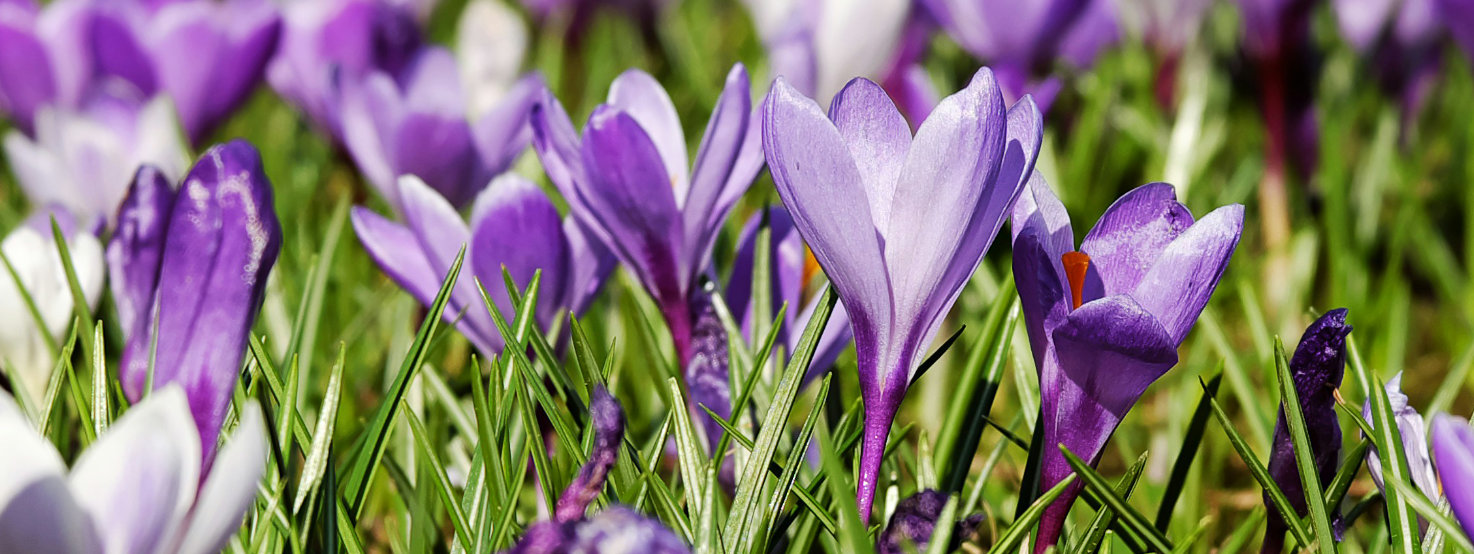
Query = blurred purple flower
x=626 y=179
x=915 y=519
x=1316 y=368
x=207 y=56
x=1277 y=44
x=83 y=160
x=44 y=57
x=1166 y=26
x=1402 y=40
x=1453 y=453
x=327 y=43
x=1414 y=442
x=616 y=529
x=189 y=274
x=513 y=225
x=792 y=269
x=1458 y=15
x=899 y=223
x=1021 y=41
x=417 y=123
x=1104 y=321
x=139 y=488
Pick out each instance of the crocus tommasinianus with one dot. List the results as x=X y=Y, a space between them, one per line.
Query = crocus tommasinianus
x=1021 y=40
x=83 y=160
x=329 y=42
x=31 y=250
x=139 y=488
x=513 y=225
x=207 y=56
x=1316 y=368
x=899 y=223
x=1414 y=442
x=792 y=269
x=189 y=273
x=47 y=58
x=418 y=123
x=616 y=529
x=915 y=519
x=1402 y=40
x=1104 y=321
x=1453 y=453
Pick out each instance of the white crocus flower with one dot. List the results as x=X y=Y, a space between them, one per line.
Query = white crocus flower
x=138 y=489
x=491 y=43
x=820 y=45
x=37 y=262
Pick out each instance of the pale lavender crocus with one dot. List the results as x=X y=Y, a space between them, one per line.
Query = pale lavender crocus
x=207 y=56
x=1402 y=40
x=140 y=487
x=45 y=59
x=1022 y=41
x=83 y=159
x=1453 y=454
x=514 y=226
x=327 y=43
x=1411 y=426
x=1105 y=321
x=899 y=223
x=189 y=274
x=792 y=272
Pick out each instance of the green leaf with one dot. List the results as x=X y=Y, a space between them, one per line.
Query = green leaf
x=1341 y=484
x=1196 y=428
x=426 y=454
x=1256 y=468
x=941 y=535
x=318 y=459
x=1108 y=497
x=962 y=429
x=797 y=462
x=852 y=534
x=1402 y=524
x=102 y=416
x=79 y=299
x=1105 y=517
x=1452 y=531
x=688 y=443
x=1025 y=524
x=1304 y=458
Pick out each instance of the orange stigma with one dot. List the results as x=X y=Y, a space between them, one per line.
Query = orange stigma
x=811 y=266
x=1076 y=264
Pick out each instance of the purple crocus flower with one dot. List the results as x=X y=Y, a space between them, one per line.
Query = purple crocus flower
x=1453 y=452
x=417 y=123
x=915 y=519
x=513 y=225
x=792 y=269
x=617 y=529
x=330 y=42
x=899 y=223
x=189 y=273
x=1105 y=321
x=44 y=56
x=1316 y=368
x=139 y=488
x=1458 y=15
x=1022 y=40
x=1166 y=26
x=1414 y=442
x=207 y=56
x=1402 y=40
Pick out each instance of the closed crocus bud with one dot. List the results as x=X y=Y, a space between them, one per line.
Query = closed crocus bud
x=915 y=520
x=1414 y=442
x=32 y=251
x=139 y=488
x=84 y=160
x=47 y=60
x=1317 y=368
x=1453 y=453
x=221 y=240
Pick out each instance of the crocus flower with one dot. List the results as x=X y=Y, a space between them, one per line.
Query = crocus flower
x=899 y=223
x=1414 y=442
x=327 y=43
x=47 y=60
x=207 y=56
x=1453 y=452
x=792 y=270
x=139 y=488
x=417 y=123
x=1166 y=26
x=189 y=273
x=1402 y=40
x=626 y=179
x=31 y=249
x=1316 y=368
x=616 y=529
x=513 y=225
x=1105 y=320
x=83 y=160
x=1022 y=40
x=1458 y=15
x=915 y=519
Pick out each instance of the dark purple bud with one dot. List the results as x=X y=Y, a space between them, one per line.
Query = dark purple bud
x=617 y=530
x=134 y=251
x=916 y=518
x=706 y=372
x=608 y=421
x=1317 y=367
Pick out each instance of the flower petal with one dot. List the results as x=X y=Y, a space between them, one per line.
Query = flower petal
x=369 y=110
x=1178 y=285
x=1414 y=441
x=718 y=163
x=1133 y=232
x=638 y=94
x=1453 y=453
x=26 y=79
x=139 y=479
x=516 y=228
x=441 y=233
x=502 y=133
x=878 y=138
x=230 y=489
x=591 y=262
x=607 y=419
x=37 y=510
x=133 y=256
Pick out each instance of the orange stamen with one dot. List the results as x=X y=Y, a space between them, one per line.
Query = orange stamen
x=1076 y=264
x=811 y=266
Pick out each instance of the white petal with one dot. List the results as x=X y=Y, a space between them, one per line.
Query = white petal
x=230 y=490
x=855 y=39
x=491 y=42
x=22 y=345
x=37 y=510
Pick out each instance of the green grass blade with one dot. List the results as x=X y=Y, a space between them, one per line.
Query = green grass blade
x=942 y=532
x=318 y=455
x=852 y=534
x=1402 y=524
x=1256 y=468
x=689 y=444
x=1024 y=525
x=102 y=416
x=79 y=300
x=1351 y=465
x=1107 y=495
x=962 y=429
x=426 y=453
x=1452 y=531
x=1304 y=458
x=1105 y=517
x=1196 y=428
